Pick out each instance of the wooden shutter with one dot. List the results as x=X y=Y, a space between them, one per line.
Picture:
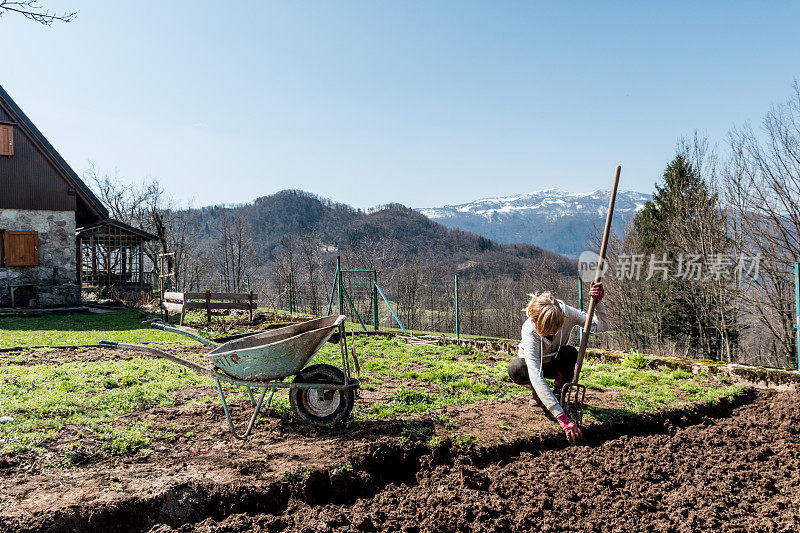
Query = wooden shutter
x=6 y=139
x=21 y=248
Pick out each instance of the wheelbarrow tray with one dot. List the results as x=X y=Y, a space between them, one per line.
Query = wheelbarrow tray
x=262 y=360
x=277 y=353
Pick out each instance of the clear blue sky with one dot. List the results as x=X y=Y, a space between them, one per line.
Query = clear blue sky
x=425 y=103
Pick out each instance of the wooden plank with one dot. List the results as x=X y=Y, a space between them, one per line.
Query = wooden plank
x=173 y=296
x=217 y=305
x=169 y=306
x=228 y=305
x=218 y=295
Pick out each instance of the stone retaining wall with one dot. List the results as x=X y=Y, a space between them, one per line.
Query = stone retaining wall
x=754 y=376
x=54 y=280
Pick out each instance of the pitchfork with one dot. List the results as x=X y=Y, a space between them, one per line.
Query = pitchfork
x=573 y=395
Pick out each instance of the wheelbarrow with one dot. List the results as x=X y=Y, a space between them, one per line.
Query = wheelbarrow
x=319 y=395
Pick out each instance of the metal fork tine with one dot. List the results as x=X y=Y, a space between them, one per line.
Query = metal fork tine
x=573 y=401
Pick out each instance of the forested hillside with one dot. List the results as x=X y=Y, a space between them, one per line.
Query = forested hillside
x=385 y=238
x=294 y=235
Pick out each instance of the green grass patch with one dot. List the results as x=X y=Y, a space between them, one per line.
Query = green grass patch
x=82 y=328
x=420 y=381
x=43 y=399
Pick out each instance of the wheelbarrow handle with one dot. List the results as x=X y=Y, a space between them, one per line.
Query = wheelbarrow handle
x=157 y=323
x=109 y=344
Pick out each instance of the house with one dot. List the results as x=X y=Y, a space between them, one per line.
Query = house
x=54 y=232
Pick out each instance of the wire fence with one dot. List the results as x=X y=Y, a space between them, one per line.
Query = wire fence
x=489 y=307
x=421 y=301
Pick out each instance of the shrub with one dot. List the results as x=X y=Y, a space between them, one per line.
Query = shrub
x=635 y=360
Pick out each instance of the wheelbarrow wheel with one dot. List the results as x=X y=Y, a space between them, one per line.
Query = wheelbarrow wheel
x=321 y=407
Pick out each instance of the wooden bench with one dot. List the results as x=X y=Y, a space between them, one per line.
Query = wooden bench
x=180 y=302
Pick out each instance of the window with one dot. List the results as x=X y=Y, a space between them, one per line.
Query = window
x=6 y=139
x=20 y=248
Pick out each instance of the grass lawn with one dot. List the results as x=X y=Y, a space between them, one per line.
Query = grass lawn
x=418 y=381
x=80 y=329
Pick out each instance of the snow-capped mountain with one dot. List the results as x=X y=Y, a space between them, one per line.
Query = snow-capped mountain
x=553 y=219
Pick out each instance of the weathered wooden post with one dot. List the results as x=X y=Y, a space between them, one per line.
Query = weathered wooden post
x=291 y=295
x=208 y=307
x=580 y=301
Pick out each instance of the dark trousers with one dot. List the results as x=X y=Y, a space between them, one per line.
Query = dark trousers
x=561 y=368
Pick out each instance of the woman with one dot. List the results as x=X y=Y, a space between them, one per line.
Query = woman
x=544 y=353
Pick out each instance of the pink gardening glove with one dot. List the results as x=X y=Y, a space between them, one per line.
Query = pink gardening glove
x=597 y=291
x=571 y=429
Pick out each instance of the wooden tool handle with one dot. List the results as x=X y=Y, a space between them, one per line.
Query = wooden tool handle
x=598 y=276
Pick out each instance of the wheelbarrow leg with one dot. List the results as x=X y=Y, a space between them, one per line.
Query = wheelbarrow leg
x=228 y=413
x=269 y=400
x=271 y=394
x=250 y=393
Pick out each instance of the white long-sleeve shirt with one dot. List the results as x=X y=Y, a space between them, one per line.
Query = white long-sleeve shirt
x=537 y=350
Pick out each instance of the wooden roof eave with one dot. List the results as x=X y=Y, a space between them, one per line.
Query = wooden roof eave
x=99 y=227
x=51 y=154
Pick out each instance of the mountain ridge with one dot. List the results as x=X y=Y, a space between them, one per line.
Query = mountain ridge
x=394 y=233
x=553 y=219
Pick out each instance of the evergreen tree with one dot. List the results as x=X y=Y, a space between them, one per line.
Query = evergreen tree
x=682 y=219
x=679 y=204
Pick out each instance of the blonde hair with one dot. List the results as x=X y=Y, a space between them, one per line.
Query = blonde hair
x=545 y=313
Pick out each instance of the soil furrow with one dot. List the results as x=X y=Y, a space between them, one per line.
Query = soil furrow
x=736 y=467
x=389 y=477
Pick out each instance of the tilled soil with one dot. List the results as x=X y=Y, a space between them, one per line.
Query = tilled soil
x=186 y=479
x=739 y=472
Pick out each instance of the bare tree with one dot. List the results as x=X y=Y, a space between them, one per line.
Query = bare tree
x=762 y=185
x=235 y=249
x=309 y=248
x=409 y=294
x=676 y=312
x=31 y=9
x=125 y=202
x=149 y=207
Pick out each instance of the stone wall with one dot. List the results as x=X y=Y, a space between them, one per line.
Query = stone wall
x=55 y=279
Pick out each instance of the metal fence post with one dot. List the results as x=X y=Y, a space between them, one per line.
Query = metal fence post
x=341 y=293
x=458 y=322
x=248 y=283
x=797 y=310
x=333 y=288
x=375 y=317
